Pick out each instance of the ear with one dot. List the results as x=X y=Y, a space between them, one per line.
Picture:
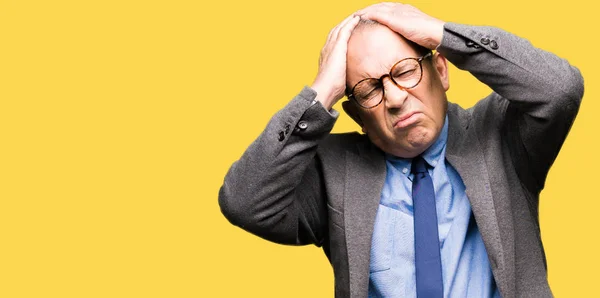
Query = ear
x=352 y=110
x=441 y=67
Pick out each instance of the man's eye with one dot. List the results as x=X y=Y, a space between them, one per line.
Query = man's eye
x=368 y=92
x=405 y=73
x=373 y=92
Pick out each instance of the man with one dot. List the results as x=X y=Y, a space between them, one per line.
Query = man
x=432 y=200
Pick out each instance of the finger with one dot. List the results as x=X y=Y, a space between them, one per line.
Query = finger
x=382 y=16
x=346 y=31
x=370 y=7
x=340 y=26
x=341 y=45
x=374 y=7
x=333 y=37
x=333 y=32
x=329 y=35
x=335 y=29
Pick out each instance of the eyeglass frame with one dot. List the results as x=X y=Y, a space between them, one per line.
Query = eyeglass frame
x=419 y=60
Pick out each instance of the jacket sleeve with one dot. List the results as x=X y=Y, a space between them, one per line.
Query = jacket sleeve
x=537 y=93
x=275 y=189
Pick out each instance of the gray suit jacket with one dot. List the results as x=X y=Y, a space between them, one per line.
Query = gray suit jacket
x=298 y=184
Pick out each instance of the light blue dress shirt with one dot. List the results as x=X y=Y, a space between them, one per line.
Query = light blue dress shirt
x=466 y=271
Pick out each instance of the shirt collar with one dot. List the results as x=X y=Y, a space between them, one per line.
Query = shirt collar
x=434 y=155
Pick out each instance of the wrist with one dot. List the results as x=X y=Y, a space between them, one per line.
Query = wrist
x=437 y=35
x=324 y=96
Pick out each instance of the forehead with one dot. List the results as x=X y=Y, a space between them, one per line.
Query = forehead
x=373 y=50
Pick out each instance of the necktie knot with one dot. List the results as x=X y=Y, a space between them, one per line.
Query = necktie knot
x=418 y=165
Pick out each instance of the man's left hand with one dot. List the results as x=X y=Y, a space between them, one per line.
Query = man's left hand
x=408 y=21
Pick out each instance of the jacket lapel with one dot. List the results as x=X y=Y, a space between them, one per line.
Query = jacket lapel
x=365 y=176
x=465 y=153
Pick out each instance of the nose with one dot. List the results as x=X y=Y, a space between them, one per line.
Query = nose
x=394 y=95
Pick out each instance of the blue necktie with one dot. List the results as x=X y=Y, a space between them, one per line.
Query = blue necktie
x=428 y=262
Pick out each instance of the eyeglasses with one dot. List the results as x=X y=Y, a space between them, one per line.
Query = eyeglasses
x=406 y=74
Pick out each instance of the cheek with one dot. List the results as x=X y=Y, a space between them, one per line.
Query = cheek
x=436 y=113
x=433 y=100
x=376 y=120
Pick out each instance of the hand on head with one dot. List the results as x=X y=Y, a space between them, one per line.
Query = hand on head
x=406 y=20
x=330 y=82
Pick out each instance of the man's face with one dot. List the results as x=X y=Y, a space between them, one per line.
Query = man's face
x=408 y=121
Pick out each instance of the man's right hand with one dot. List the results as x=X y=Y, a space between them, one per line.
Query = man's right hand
x=330 y=82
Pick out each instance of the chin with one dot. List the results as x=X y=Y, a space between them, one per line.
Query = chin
x=420 y=138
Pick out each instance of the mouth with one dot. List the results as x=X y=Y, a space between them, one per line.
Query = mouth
x=407 y=120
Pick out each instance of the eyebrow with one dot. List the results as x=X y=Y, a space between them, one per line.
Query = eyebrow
x=365 y=75
x=386 y=67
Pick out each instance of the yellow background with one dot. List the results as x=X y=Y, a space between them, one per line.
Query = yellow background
x=119 y=119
